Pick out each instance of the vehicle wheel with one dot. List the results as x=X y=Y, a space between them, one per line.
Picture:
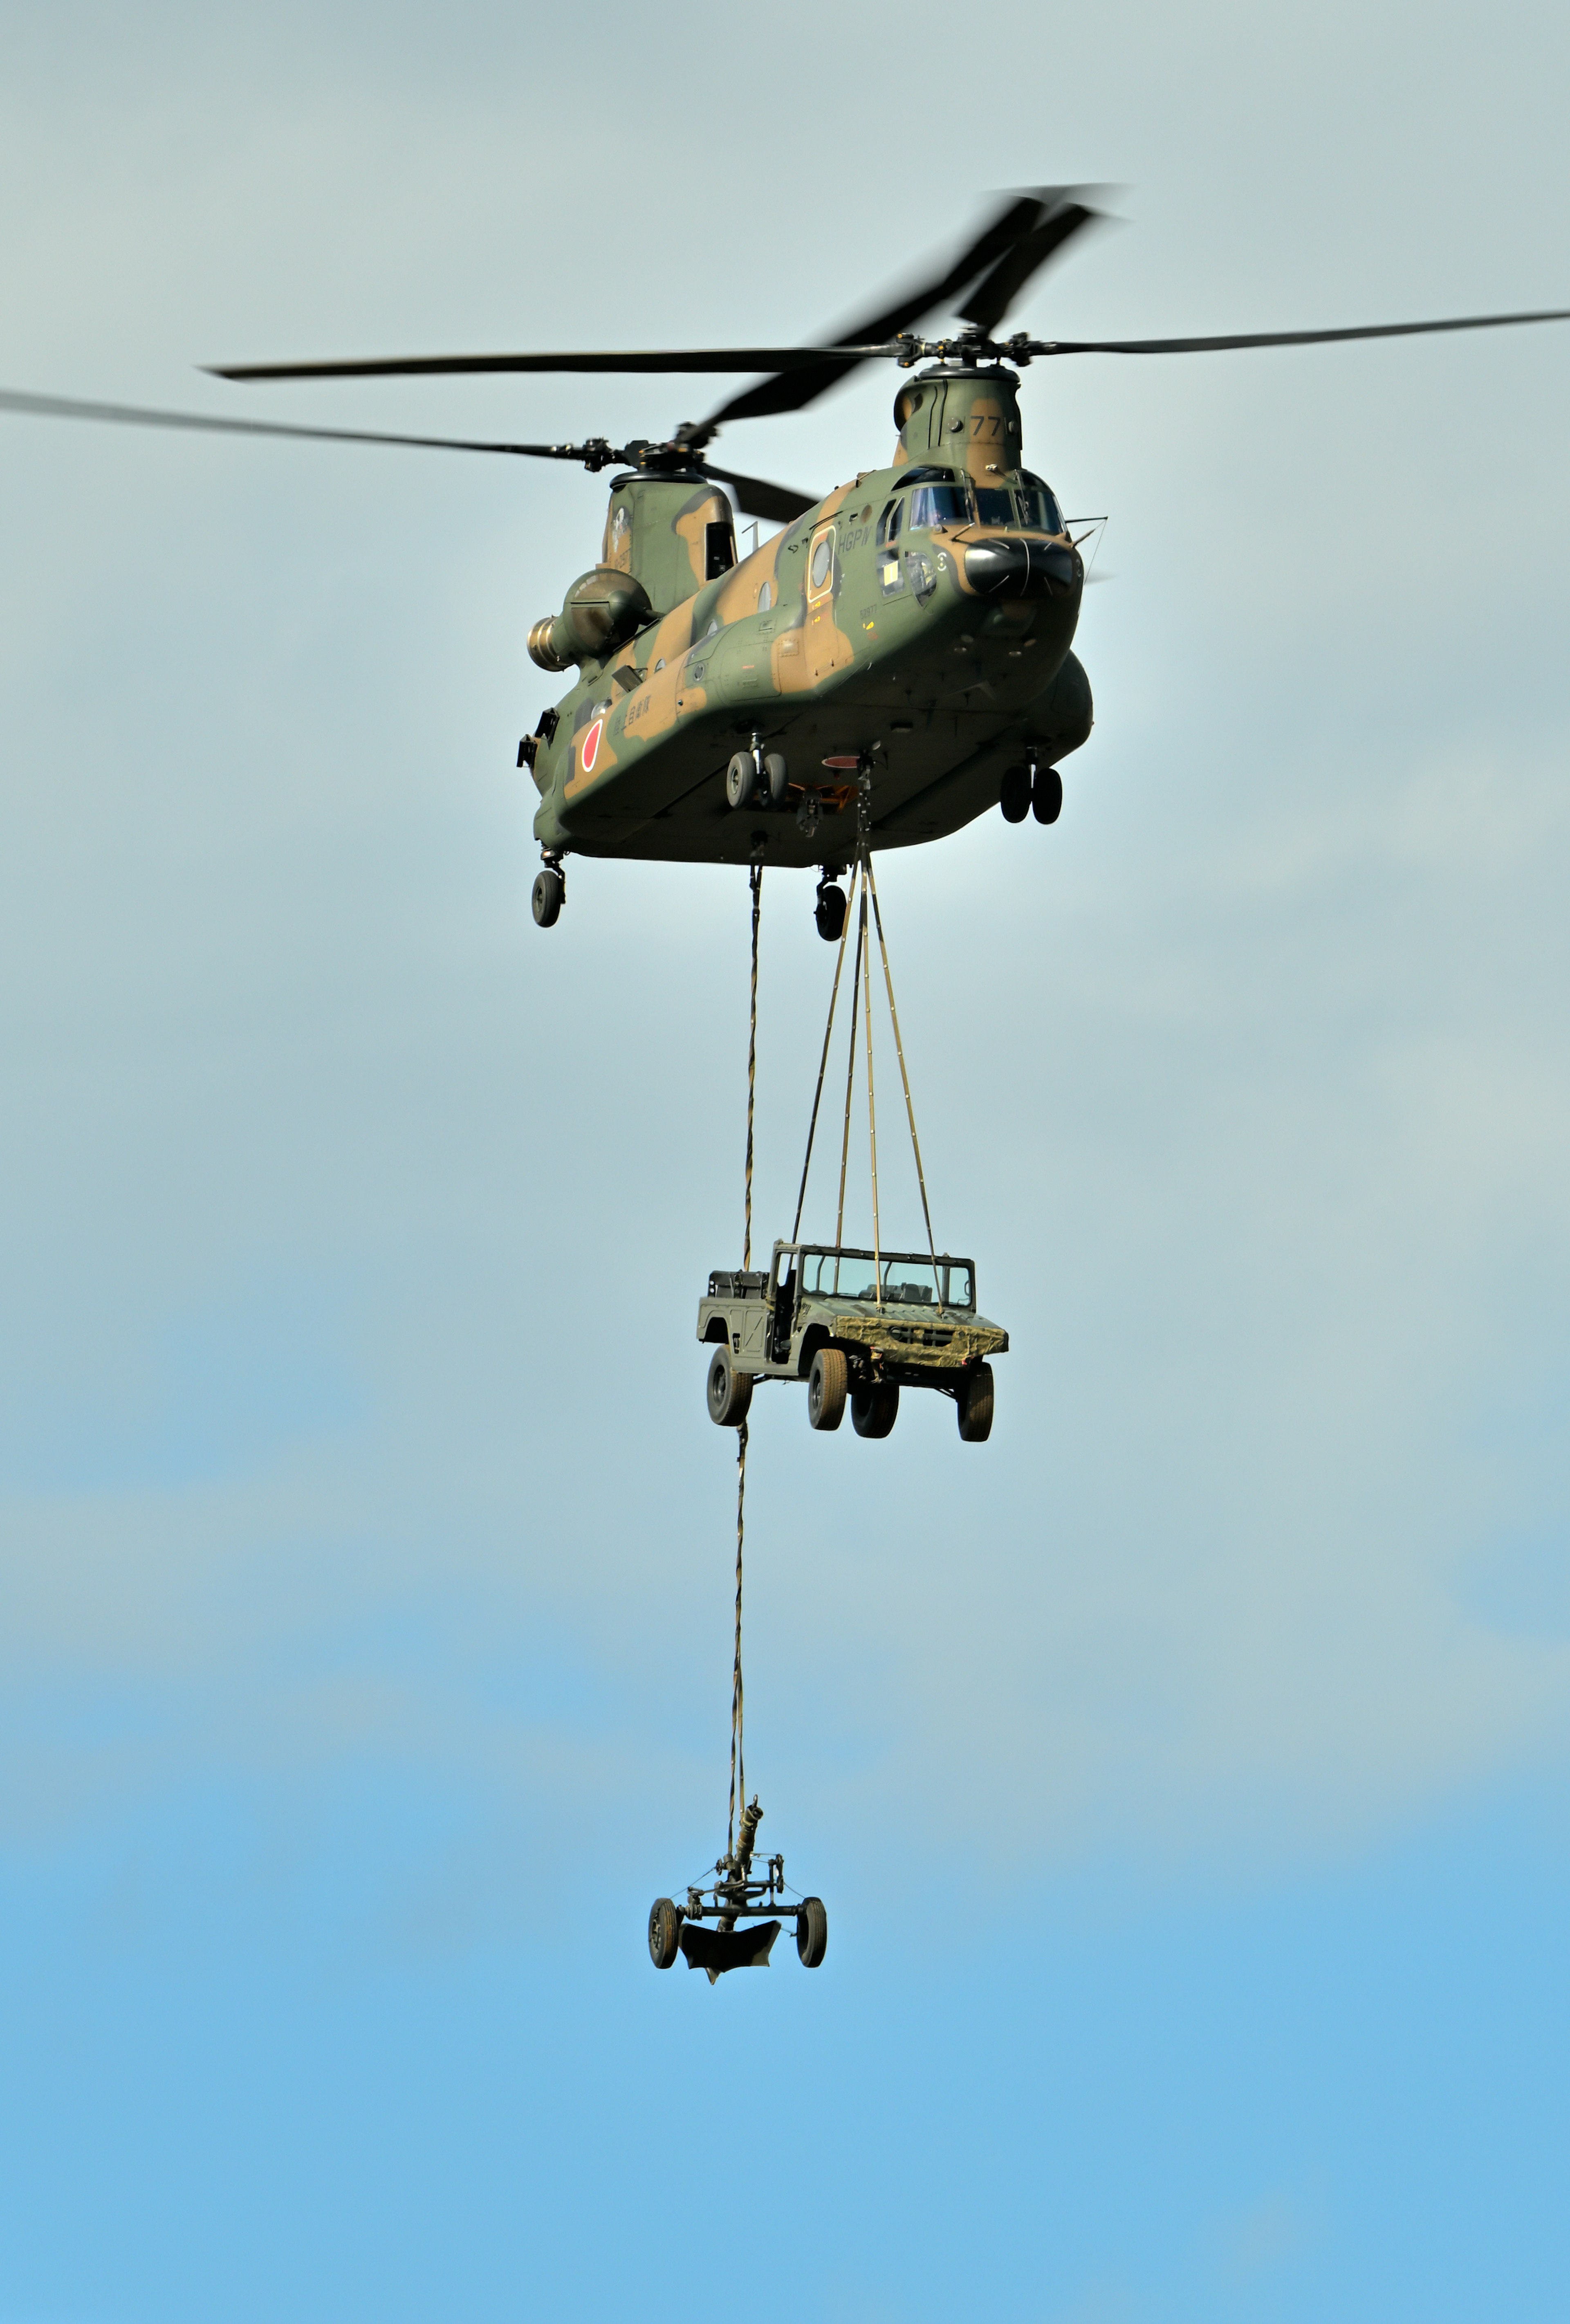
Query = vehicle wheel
x=730 y=1391
x=776 y=778
x=741 y=779
x=826 y=1384
x=664 y=1932
x=1014 y=797
x=976 y=1405
x=1047 y=803
x=874 y=1410
x=830 y=913
x=549 y=894
x=811 y=1931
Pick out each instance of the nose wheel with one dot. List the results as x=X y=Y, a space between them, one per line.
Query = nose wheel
x=1030 y=789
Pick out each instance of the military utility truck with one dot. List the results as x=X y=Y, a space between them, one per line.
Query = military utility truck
x=856 y=1327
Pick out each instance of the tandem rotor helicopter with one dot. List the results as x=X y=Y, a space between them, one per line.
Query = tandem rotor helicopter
x=893 y=663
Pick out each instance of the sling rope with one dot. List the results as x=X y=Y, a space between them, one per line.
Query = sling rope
x=738 y=1754
x=910 y=1107
x=756 y=877
x=823 y=1061
x=850 y=1074
x=871 y=1102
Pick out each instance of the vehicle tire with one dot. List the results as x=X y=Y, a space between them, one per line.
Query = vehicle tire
x=830 y=913
x=776 y=778
x=664 y=1932
x=730 y=1391
x=812 y=1933
x=741 y=779
x=827 y=1385
x=874 y=1410
x=1014 y=797
x=1047 y=803
x=549 y=894
x=976 y=1405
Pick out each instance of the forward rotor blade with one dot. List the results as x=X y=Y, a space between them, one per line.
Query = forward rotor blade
x=776 y=503
x=139 y=415
x=625 y=359
x=1290 y=339
x=1016 y=240
x=997 y=290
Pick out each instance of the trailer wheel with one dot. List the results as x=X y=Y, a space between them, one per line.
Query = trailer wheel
x=827 y=1385
x=811 y=1931
x=664 y=1932
x=730 y=1391
x=976 y=1405
x=874 y=1410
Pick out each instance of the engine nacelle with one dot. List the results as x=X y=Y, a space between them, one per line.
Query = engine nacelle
x=603 y=609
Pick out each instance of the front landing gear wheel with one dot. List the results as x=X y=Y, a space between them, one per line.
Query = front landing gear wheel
x=811 y=1931
x=1048 y=804
x=729 y=1391
x=829 y=912
x=741 y=779
x=976 y=1405
x=874 y=1410
x=826 y=1384
x=1014 y=794
x=776 y=778
x=549 y=895
x=664 y=1932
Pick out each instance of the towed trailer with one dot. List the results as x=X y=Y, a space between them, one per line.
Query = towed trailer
x=857 y=1327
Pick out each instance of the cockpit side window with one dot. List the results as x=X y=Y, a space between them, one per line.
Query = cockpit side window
x=1039 y=508
x=889 y=522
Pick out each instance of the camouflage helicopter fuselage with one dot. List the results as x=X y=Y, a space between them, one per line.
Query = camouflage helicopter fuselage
x=936 y=653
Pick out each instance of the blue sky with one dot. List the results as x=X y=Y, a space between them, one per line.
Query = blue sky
x=1186 y=1772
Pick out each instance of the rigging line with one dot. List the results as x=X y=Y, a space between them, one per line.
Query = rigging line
x=850 y=1071
x=871 y=1102
x=905 y=1078
x=755 y=877
x=822 y=1069
x=738 y=1753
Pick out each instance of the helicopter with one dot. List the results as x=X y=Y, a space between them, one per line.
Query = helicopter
x=893 y=662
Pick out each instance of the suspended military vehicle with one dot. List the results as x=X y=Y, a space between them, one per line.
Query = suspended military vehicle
x=915 y=625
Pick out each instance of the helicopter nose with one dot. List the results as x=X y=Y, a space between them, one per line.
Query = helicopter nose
x=1008 y=567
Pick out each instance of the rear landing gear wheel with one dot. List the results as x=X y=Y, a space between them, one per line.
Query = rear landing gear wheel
x=829 y=912
x=730 y=1391
x=811 y=1931
x=1015 y=795
x=741 y=779
x=976 y=1405
x=664 y=1932
x=1048 y=802
x=874 y=1410
x=549 y=895
x=826 y=1384
x=776 y=778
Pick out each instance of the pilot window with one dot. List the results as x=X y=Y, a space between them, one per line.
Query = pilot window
x=939 y=505
x=720 y=550
x=1039 y=508
x=992 y=505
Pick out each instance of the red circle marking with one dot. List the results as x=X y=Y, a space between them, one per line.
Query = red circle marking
x=591 y=745
x=841 y=765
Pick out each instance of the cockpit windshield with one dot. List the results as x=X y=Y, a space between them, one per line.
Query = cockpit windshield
x=939 y=505
x=908 y=1278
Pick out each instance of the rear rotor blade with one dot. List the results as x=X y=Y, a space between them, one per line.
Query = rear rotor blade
x=776 y=503
x=1289 y=338
x=138 y=415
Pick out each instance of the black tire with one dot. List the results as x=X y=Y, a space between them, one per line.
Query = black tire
x=812 y=1933
x=830 y=913
x=549 y=894
x=730 y=1391
x=776 y=778
x=741 y=779
x=1046 y=803
x=664 y=1932
x=1014 y=796
x=874 y=1410
x=976 y=1405
x=826 y=1385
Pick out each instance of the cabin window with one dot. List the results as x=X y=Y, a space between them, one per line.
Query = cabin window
x=765 y=598
x=720 y=550
x=822 y=560
x=992 y=505
x=939 y=505
x=889 y=522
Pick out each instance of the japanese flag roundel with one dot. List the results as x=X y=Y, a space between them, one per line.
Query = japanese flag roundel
x=591 y=745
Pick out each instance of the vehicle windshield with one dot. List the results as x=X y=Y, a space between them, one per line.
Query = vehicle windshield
x=907 y=1278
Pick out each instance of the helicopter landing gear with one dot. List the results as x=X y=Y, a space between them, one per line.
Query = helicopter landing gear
x=1046 y=795
x=1015 y=796
x=550 y=893
x=830 y=910
x=1030 y=789
x=757 y=776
